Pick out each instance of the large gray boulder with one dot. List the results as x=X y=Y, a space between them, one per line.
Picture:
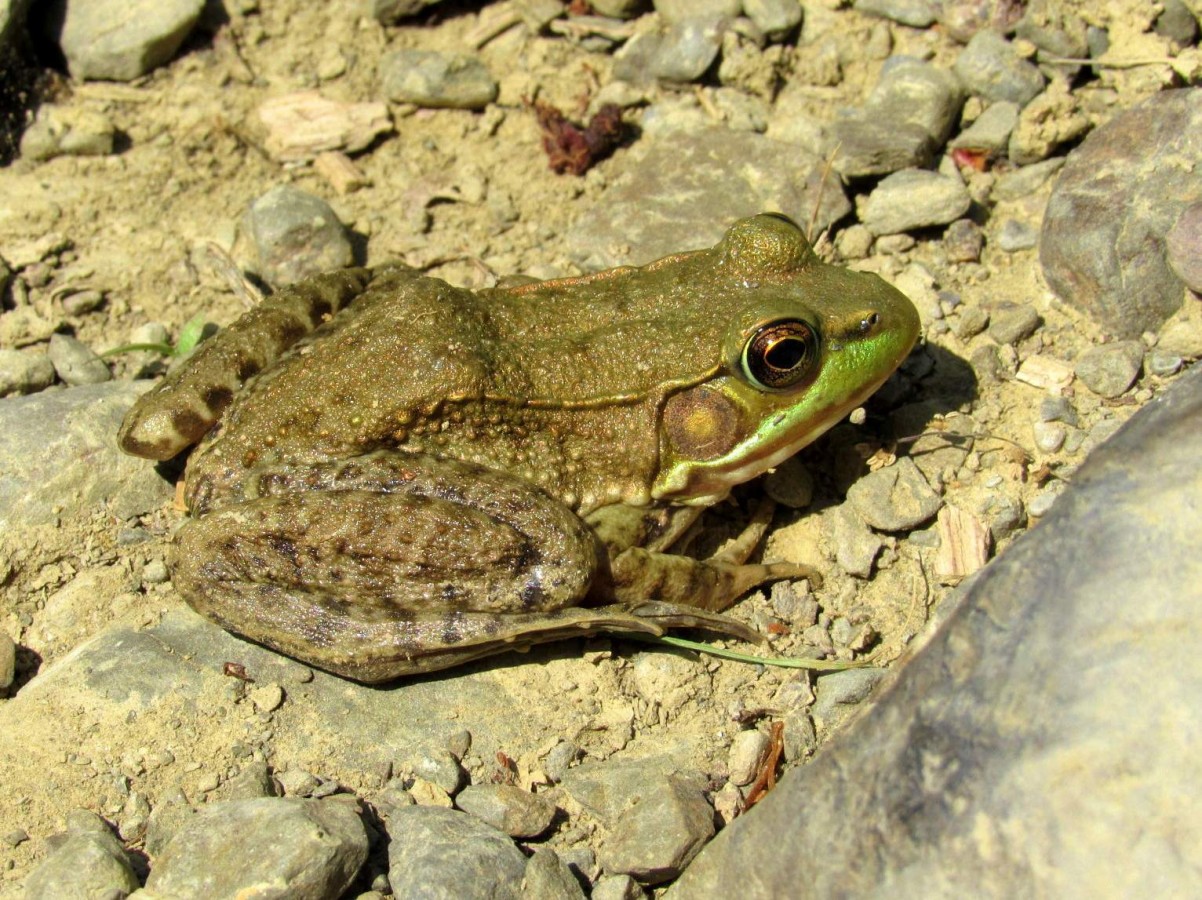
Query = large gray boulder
x=1043 y=743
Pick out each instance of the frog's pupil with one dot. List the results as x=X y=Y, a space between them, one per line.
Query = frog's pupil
x=785 y=354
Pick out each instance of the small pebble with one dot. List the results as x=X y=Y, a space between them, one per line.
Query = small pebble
x=972 y=321
x=777 y=19
x=895 y=498
x=442 y=768
x=990 y=67
x=155 y=572
x=1049 y=436
x=963 y=241
x=8 y=661
x=1016 y=235
x=790 y=484
x=914 y=198
x=1010 y=323
x=82 y=302
x=510 y=809
x=296 y=782
x=439 y=80
x=687 y=49
x=747 y=753
x=1110 y=369
x=1041 y=503
x=24 y=372
x=1162 y=364
x=267 y=697
x=1058 y=409
x=296 y=235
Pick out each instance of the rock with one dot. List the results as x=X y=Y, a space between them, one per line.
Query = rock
x=296 y=235
x=443 y=853
x=1053 y=29
x=75 y=362
x=915 y=13
x=677 y=10
x=847 y=688
x=266 y=697
x=167 y=817
x=268 y=847
x=909 y=114
x=990 y=132
x=58 y=457
x=991 y=764
x=657 y=837
x=748 y=751
x=252 y=783
x=914 y=198
x=617 y=887
x=1184 y=246
x=390 y=12
x=695 y=188
x=120 y=40
x=297 y=782
x=507 y=808
x=1049 y=436
x=963 y=241
x=439 y=80
x=856 y=545
x=609 y=789
x=440 y=767
x=1110 y=369
x=895 y=498
x=67 y=131
x=549 y=878
x=1177 y=22
x=90 y=862
x=777 y=19
x=1025 y=180
x=1010 y=323
x=1015 y=236
x=687 y=49
x=8 y=661
x=24 y=373
x=1103 y=247
x=991 y=68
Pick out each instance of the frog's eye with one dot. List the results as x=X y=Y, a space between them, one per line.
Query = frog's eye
x=780 y=354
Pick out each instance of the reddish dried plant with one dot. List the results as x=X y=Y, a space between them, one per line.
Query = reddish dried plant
x=574 y=148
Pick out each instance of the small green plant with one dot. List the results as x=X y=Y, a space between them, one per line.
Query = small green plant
x=193 y=332
x=787 y=662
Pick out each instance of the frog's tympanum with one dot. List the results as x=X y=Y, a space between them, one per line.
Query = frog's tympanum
x=395 y=475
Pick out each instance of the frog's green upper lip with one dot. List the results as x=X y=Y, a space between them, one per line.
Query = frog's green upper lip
x=860 y=351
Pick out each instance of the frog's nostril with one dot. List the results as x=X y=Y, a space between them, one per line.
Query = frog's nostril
x=869 y=322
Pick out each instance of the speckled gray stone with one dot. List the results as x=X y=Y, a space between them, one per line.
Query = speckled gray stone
x=267 y=848
x=75 y=362
x=990 y=67
x=1110 y=369
x=914 y=198
x=508 y=808
x=297 y=235
x=444 y=854
x=894 y=498
x=119 y=40
x=440 y=80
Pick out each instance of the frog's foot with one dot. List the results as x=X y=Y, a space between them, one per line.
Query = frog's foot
x=346 y=641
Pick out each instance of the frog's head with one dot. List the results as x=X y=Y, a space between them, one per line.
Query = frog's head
x=810 y=344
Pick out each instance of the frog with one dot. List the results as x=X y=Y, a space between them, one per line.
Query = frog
x=391 y=476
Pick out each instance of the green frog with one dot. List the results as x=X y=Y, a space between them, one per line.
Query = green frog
x=395 y=475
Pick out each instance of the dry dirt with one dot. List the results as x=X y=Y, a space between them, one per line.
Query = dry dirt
x=190 y=165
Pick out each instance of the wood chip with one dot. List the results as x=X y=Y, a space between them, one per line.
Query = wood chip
x=303 y=124
x=338 y=169
x=1045 y=372
x=963 y=545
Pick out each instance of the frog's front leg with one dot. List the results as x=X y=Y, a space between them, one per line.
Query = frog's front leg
x=648 y=573
x=392 y=564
